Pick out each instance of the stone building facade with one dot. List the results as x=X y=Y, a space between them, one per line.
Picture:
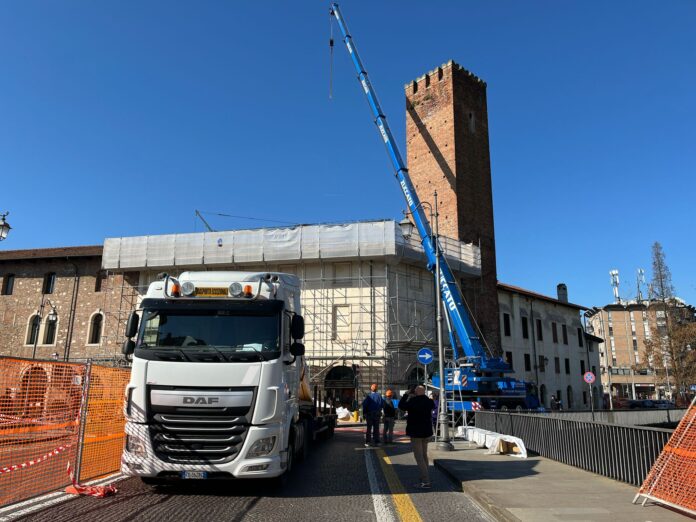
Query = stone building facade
x=544 y=340
x=448 y=152
x=58 y=303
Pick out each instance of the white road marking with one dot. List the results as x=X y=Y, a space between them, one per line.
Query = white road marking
x=383 y=512
x=15 y=511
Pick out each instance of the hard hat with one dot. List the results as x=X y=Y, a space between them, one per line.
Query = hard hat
x=389 y=393
x=373 y=387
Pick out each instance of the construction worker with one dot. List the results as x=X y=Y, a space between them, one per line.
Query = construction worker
x=389 y=418
x=372 y=411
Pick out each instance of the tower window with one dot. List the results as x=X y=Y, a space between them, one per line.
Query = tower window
x=472 y=123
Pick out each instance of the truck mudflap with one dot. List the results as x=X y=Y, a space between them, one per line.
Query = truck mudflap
x=139 y=458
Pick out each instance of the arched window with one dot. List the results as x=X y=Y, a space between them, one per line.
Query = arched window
x=50 y=330
x=95 y=329
x=33 y=329
x=570 y=398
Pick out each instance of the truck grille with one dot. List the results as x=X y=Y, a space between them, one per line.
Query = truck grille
x=197 y=439
x=189 y=434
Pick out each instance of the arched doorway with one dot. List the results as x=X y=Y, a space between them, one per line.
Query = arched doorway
x=339 y=387
x=416 y=376
x=33 y=391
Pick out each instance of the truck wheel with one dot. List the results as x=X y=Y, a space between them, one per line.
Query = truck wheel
x=305 y=439
x=291 y=457
x=152 y=481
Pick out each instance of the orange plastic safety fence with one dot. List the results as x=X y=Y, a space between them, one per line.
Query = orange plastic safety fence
x=39 y=423
x=104 y=429
x=672 y=479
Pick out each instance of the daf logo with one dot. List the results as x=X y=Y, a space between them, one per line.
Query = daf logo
x=201 y=400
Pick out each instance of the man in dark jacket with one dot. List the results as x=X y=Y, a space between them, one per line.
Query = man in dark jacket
x=372 y=411
x=420 y=428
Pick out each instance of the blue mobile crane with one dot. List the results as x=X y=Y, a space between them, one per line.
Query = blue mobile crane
x=475 y=379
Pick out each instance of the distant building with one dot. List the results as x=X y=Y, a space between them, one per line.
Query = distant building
x=544 y=340
x=628 y=372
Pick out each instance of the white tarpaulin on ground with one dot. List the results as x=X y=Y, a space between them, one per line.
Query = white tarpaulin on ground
x=495 y=442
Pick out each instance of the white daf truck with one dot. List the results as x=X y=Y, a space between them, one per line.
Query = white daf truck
x=218 y=387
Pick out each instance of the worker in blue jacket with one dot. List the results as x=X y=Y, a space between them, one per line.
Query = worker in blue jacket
x=372 y=412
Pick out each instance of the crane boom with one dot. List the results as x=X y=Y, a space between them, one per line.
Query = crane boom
x=459 y=318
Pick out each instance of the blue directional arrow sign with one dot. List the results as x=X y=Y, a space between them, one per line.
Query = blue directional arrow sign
x=425 y=356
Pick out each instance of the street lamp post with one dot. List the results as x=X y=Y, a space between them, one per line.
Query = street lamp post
x=4 y=226
x=443 y=443
x=52 y=316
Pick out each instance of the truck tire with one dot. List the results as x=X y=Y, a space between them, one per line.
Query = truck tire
x=291 y=456
x=306 y=427
x=153 y=481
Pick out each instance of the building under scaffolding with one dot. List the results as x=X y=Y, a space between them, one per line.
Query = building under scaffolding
x=368 y=300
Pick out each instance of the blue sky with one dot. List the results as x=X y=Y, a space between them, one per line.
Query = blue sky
x=122 y=118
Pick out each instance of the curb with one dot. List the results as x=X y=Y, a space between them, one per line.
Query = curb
x=483 y=500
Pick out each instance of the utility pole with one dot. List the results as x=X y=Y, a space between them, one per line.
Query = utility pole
x=444 y=443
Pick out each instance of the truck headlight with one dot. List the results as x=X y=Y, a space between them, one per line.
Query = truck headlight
x=135 y=445
x=261 y=447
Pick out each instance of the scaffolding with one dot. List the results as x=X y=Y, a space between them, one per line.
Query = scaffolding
x=121 y=296
x=367 y=298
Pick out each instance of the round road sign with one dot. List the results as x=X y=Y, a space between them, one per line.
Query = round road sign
x=425 y=356
x=589 y=377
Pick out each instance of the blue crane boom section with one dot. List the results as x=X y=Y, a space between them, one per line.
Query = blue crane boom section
x=453 y=302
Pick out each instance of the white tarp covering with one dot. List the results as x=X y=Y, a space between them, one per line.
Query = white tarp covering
x=218 y=248
x=188 y=249
x=280 y=244
x=286 y=244
x=495 y=442
x=160 y=250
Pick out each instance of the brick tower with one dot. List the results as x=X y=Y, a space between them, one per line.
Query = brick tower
x=447 y=151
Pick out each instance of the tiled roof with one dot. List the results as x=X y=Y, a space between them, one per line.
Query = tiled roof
x=51 y=253
x=518 y=290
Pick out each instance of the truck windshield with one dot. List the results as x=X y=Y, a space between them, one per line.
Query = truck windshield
x=224 y=331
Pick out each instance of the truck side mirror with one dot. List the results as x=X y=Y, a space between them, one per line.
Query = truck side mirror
x=297 y=327
x=128 y=347
x=297 y=349
x=132 y=325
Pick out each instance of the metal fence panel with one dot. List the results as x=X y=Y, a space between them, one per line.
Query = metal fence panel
x=624 y=453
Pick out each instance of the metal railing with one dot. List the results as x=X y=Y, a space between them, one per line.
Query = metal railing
x=624 y=453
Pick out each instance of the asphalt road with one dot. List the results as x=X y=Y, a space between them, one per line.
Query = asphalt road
x=340 y=480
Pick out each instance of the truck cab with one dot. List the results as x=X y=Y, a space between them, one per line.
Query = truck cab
x=218 y=386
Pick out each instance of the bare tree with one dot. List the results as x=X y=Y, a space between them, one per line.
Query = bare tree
x=661 y=287
x=671 y=348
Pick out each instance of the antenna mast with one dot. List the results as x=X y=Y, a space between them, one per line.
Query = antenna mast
x=614 y=275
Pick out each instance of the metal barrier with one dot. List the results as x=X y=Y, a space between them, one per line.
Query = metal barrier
x=54 y=413
x=637 y=417
x=624 y=453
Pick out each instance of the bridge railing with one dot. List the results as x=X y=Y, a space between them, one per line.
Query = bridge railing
x=624 y=453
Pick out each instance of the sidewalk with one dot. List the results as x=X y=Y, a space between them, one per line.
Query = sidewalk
x=537 y=489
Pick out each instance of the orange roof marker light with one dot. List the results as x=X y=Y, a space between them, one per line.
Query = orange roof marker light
x=176 y=289
x=247 y=291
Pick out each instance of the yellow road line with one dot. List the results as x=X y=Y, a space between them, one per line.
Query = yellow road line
x=402 y=501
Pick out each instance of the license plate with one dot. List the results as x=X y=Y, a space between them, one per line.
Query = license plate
x=194 y=475
x=206 y=291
